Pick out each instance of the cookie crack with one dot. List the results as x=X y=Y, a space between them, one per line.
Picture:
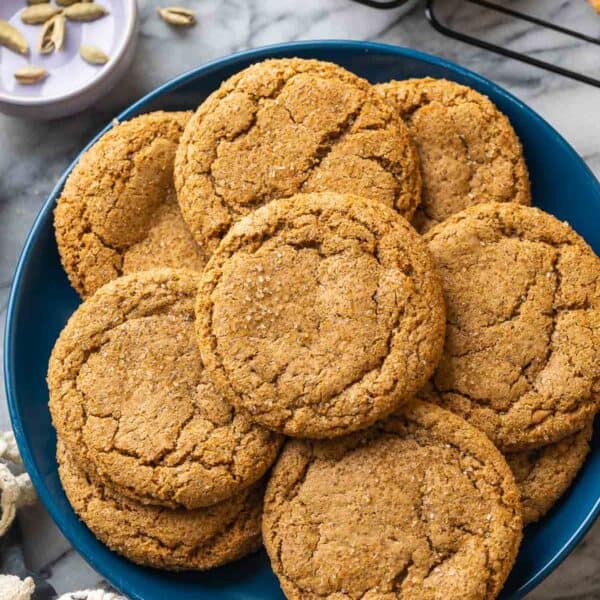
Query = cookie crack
x=454 y=102
x=329 y=141
x=504 y=230
x=258 y=101
x=553 y=315
x=290 y=495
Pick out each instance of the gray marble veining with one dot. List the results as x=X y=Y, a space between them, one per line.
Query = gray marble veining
x=33 y=155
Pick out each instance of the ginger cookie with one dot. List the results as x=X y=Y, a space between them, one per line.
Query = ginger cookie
x=118 y=211
x=286 y=126
x=129 y=398
x=468 y=149
x=160 y=537
x=522 y=353
x=320 y=314
x=544 y=474
x=423 y=506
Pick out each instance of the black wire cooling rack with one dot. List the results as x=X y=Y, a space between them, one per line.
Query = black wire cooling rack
x=436 y=23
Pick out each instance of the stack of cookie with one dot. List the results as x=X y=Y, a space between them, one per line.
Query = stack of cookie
x=250 y=272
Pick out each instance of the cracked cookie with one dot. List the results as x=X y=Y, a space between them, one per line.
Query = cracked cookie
x=468 y=149
x=544 y=474
x=160 y=537
x=320 y=314
x=286 y=126
x=522 y=353
x=118 y=211
x=420 y=507
x=129 y=398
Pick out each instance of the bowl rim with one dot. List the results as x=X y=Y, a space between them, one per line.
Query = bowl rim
x=131 y=12
x=260 y=53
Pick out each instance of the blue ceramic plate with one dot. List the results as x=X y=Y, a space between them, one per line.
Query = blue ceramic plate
x=41 y=301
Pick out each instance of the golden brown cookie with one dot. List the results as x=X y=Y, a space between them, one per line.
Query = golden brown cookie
x=468 y=149
x=522 y=353
x=159 y=537
x=320 y=314
x=422 y=507
x=129 y=398
x=118 y=211
x=544 y=474
x=285 y=126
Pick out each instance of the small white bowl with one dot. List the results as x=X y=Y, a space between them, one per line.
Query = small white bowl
x=73 y=84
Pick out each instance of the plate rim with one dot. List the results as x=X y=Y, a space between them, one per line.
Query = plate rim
x=259 y=53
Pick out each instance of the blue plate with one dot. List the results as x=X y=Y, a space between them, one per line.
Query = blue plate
x=41 y=301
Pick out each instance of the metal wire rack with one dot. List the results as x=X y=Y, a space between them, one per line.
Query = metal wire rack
x=436 y=23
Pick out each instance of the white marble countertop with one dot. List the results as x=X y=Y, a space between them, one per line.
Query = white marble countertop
x=33 y=155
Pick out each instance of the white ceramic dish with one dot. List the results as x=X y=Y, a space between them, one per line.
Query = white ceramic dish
x=72 y=84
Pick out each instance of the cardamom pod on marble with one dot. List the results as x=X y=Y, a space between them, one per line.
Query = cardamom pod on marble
x=177 y=15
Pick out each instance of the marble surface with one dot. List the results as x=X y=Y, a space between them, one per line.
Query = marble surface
x=32 y=155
